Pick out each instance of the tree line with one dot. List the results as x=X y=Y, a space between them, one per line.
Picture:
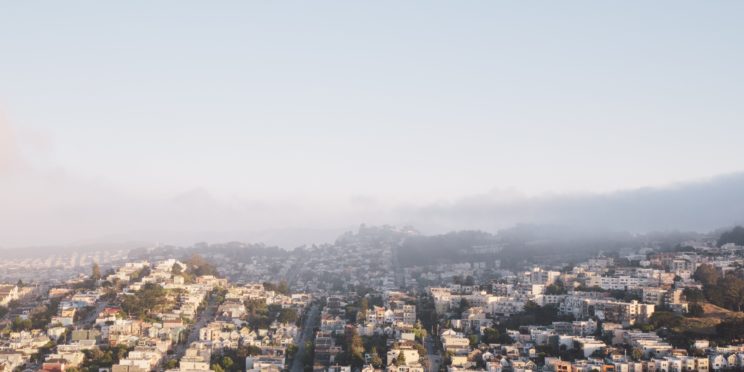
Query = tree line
x=726 y=291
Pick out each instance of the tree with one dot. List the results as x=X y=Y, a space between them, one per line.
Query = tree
x=707 y=274
x=287 y=316
x=473 y=340
x=599 y=353
x=248 y=350
x=731 y=330
x=217 y=368
x=491 y=335
x=556 y=288
x=199 y=266
x=375 y=356
x=283 y=287
x=695 y=310
x=19 y=324
x=666 y=319
x=291 y=351
x=541 y=315
x=150 y=298
x=693 y=295
x=363 y=307
x=171 y=364
x=401 y=360
x=733 y=290
x=419 y=332
x=95 y=272
x=227 y=363
x=357 y=351
x=258 y=313
x=309 y=356
x=464 y=305
x=469 y=280
x=42 y=315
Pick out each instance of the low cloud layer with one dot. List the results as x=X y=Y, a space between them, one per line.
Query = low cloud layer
x=49 y=206
x=695 y=206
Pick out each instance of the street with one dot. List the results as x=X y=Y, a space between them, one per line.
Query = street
x=433 y=356
x=91 y=318
x=305 y=335
x=202 y=319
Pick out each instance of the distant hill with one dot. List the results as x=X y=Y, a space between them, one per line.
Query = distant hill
x=524 y=245
x=460 y=246
x=735 y=235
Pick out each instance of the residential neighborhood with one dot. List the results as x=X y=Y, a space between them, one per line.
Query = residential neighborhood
x=371 y=186
x=352 y=306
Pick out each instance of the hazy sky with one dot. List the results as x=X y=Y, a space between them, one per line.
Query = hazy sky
x=321 y=102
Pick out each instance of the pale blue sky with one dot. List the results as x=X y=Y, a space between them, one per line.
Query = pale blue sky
x=401 y=100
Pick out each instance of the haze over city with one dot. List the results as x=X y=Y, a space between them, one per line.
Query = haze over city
x=290 y=123
x=371 y=186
